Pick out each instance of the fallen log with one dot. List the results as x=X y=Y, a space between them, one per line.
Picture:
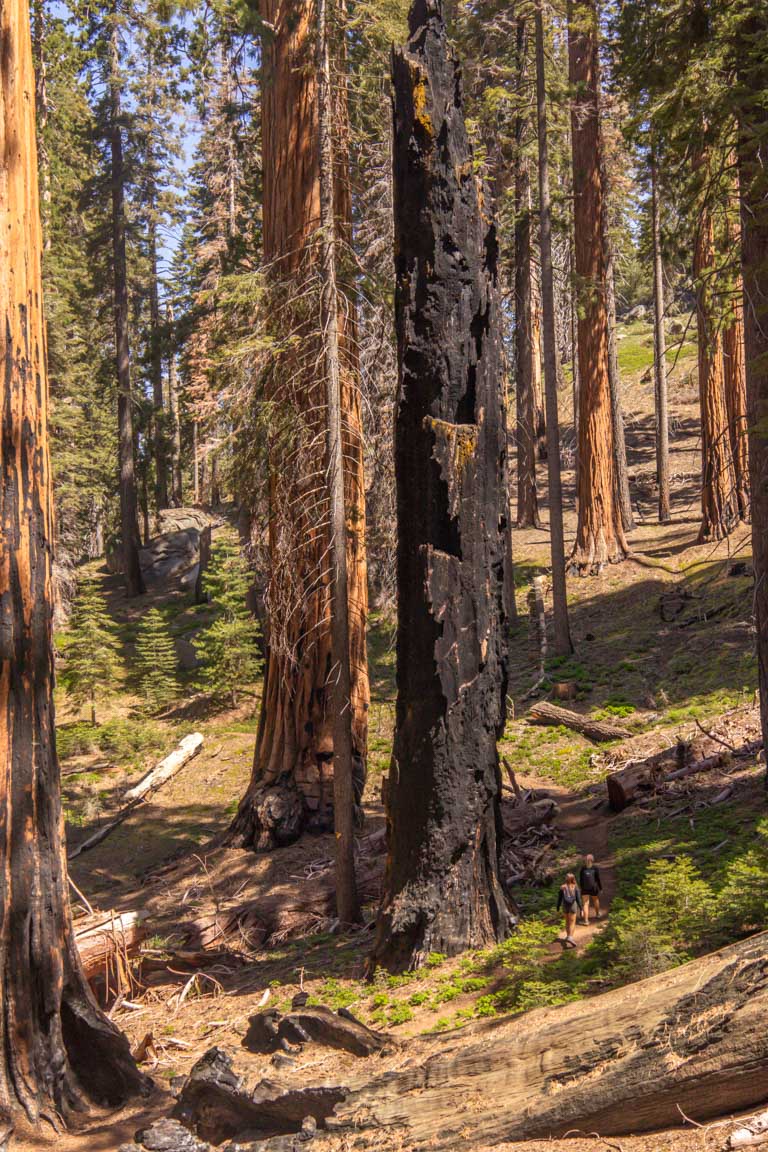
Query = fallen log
x=271 y=1030
x=637 y=776
x=107 y=935
x=693 y=1039
x=545 y=713
x=518 y=818
x=149 y=783
x=754 y=1131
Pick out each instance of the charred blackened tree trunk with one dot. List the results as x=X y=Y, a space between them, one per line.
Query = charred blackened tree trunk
x=442 y=891
x=753 y=184
x=56 y=1048
x=599 y=532
x=129 y=529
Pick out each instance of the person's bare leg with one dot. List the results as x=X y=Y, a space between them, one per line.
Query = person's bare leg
x=585 y=909
x=596 y=906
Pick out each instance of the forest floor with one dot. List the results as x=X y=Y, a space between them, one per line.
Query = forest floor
x=664 y=647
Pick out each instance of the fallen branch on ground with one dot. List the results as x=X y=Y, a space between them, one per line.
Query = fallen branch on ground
x=597 y=730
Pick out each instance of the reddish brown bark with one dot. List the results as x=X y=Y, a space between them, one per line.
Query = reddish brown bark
x=719 y=506
x=736 y=383
x=292 y=782
x=599 y=533
x=57 y=1050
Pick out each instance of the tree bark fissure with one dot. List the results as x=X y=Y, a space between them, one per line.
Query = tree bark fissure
x=57 y=1051
x=442 y=889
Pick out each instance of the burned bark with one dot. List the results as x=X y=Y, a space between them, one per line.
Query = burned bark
x=57 y=1051
x=753 y=183
x=599 y=533
x=442 y=888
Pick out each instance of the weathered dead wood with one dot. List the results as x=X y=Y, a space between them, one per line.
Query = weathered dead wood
x=549 y=714
x=638 y=776
x=755 y=1131
x=694 y=1039
x=215 y=1105
x=271 y=1030
x=523 y=816
x=104 y=935
x=164 y=771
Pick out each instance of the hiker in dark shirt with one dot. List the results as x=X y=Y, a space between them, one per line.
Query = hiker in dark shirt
x=591 y=886
x=569 y=899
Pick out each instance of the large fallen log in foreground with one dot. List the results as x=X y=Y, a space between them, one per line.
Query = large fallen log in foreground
x=597 y=730
x=694 y=1039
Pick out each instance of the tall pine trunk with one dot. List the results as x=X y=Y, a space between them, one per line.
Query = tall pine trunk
x=660 y=354
x=736 y=383
x=719 y=506
x=563 y=644
x=526 y=430
x=599 y=533
x=292 y=781
x=156 y=372
x=177 y=493
x=753 y=183
x=442 y=888
x=347 y=902
x=57 y=1050
x=134 y=583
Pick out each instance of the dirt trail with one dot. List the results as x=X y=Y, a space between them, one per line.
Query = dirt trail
x=584 y=823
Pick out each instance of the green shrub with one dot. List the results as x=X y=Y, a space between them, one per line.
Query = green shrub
x=544 y=994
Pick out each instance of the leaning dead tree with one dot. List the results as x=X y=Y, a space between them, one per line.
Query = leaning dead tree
x=57 y=1051
x=442 y=890
x=291 y=787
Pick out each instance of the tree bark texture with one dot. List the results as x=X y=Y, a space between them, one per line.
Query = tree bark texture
x=753 y=182
x=526 y=423
x=563 y=644
x=599 y=533
x=129 y=527
x=719 y=505
x=660 y=355
x=156 y=366
x=57 y=1050
x=736 y=387
x=292 y=781
x=442 y=889
x=177 y=490
x=692 y=1039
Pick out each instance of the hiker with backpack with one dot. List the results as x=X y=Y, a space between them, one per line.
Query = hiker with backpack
x=591 y=886
x=569 y=899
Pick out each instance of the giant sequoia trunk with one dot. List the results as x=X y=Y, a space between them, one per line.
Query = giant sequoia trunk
x=526 y=353
x=753 y=181
x=292 y=781
x=600 y=533
x=442 y=890
x=56 y=1048
x=129 y=528
x=719 y=504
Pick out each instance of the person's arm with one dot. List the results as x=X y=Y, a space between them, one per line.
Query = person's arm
x=581 y=878
x=559 y=899
x=598 y=881
x=578 y=899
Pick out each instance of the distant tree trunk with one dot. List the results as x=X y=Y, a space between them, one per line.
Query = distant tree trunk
x=719 y=506
x=156 y=372
x=347 y=902
x=753 y=183
x=617 y=412
x=736 y=386
x=599 y=533
x=660 y=355
x=58 y=1051
x=574 y=353
x=563 y=644
x=291 y=786
x=43 y=108
x=196 y=460
x=442 y=889
x=527 y=504
x=177 y=493
x=134 y=583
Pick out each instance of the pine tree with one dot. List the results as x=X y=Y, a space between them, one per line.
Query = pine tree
x=156 y=661
x=229 y=645
x=92 y=664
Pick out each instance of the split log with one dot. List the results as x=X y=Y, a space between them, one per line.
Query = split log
x=694 y=1039
x=106 y=935
x=519 y=818
x=545 y=713
x=164 y=771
